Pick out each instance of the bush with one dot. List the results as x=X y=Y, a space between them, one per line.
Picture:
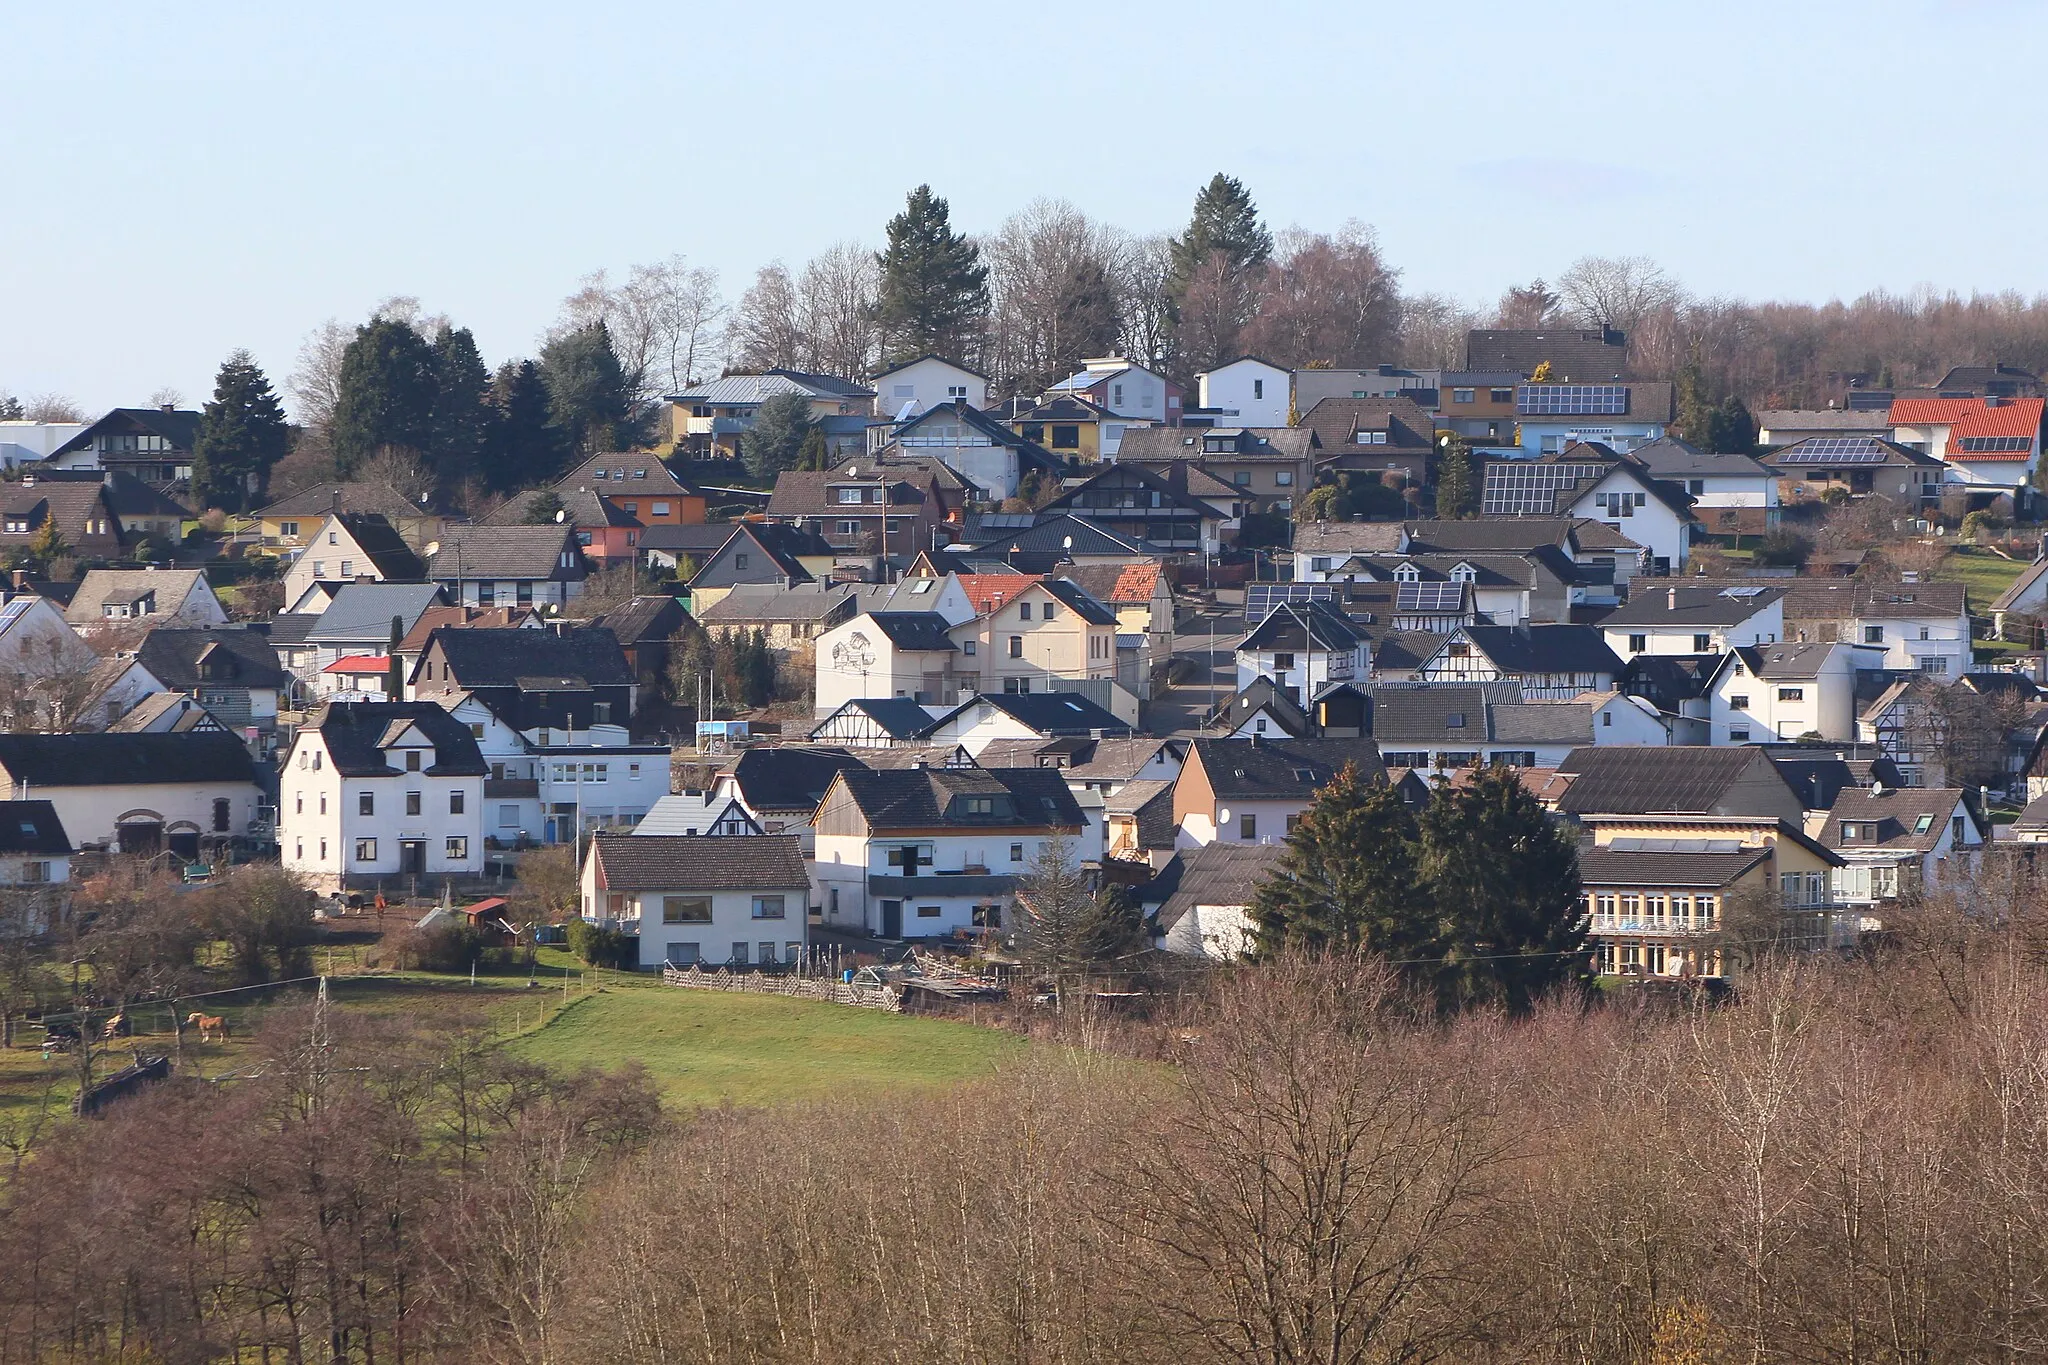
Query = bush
x=447 y=948
x=602 y=947
x=1977 y=523
x=1781 y=546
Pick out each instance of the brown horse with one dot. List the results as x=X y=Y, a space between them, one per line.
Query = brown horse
x=209 y=1024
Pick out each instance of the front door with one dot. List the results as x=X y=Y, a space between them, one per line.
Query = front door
x=892 y=919
x=412 y=857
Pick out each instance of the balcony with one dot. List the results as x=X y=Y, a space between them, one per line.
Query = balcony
x=511 y=788
x=1642 y=924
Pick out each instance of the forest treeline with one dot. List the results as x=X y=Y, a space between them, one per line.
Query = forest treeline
x=1845 y=1164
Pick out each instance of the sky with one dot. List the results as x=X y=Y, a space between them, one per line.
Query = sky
x=181 y=181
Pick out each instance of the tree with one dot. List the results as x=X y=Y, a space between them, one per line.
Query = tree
x=1695 y=408
x=1731 y=430
x=48 y=545
x=934 y=288
x=242 y=434
x=1349 y=878
x=814 y=455
x=461 y=423
x=590 y=396
x=402 y=469
x=1326 y=300
x=1057 y=928
x=1617 y=291
x=782 y=425
x=1457 y=494
x=1527 y=307
x=1225 y=222
x=384 y=394
x=768 y=327
x=525 y=447
x=1055 y=296
x=11 y=409
x=1504 y=879
x=543 y=508
x=53 y=407
x=664 y=322
x=265 y=914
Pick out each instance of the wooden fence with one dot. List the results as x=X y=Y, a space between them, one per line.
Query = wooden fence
x=803 y=987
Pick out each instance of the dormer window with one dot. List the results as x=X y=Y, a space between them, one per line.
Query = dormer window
x=1465 y=573
x=1407 y=573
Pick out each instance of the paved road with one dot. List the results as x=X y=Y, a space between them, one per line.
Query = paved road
x=1207 y=638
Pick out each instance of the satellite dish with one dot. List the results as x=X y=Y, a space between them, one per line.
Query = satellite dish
x=1068 y=543
x=433 y=548
x=562 y=515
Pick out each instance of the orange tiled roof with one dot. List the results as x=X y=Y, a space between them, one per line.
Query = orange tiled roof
x=986 y=591
x=1135 y=585
x=1967 y=418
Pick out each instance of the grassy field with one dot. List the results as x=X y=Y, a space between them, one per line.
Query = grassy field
x=1985 y=574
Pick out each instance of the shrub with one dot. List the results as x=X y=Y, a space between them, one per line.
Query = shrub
x=601 y=947
x=1783 y=546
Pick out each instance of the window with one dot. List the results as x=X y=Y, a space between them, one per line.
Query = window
x=1016 y=853
x=523 y=593
x=1791 y=694
x=1738 y=734
x=657 y=509
x=1258 y=388
x=222 y=815
x=600 y=713
x=683 y=954
x=967 y=648
x=319 y=568
x=852 y=495
x=1066 y=438
x=1873 y=635
x=1702 y=643
x=458 y=848
x=1462 y=395
x=412 y=760
x=1051 y=610
x=1955 y=829
x=1933 y=663
x=1242 y=478
x=348 y=568
x=323 y=800
x=1319 y=564
x=1016 y=686
x=1406 y=758
x=1016 y=646
x=299 y=804
x=456 y=802
x=366 y=803
x=366 y=851
x=1284 y=477
x=1247 y=826
x=1024 y=611
x=686 y=909
x=1116 y=395
x=1638 y=643
x=1283 y=661
x=331 y=540
x=978 y=805
x=768 y=907
x=1740 y=701
x=927 y=912
x=988 y=916
x=412 y=803
x=1607 y=718
x=1696 y=487
x=849 y=528
x=288 y=528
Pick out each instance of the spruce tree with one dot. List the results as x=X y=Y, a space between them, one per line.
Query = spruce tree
x=1349 y=877
x=1504 y=880
x=776 y=441
x=589 y=395
x=524 y=447
x=934 y=288
x=543 y=508
x=1695 y=409
x=242 y=433
x=1054 y=917
x=1225 y=220
x=384 y=394
x=1731 y=430
x=814 y=455
x=1457 y=494
x=462 y=410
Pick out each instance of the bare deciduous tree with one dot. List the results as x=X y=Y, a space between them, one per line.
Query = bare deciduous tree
x=1328 y=300
x=1054 y=295
x=1617 y=291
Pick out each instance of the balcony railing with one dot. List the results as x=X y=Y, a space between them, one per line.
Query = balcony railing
x=1643 y=924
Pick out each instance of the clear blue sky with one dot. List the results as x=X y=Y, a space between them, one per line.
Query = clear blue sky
x=181 y=180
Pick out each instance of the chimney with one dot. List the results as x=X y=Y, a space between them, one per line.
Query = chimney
x=1671 y=599
x=170 y=407
x=1992 y=400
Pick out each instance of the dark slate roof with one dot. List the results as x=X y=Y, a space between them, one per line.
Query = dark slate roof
x=1786 y=659
x=696 y=541
x=1260 y=694
x=363 y=611
x=788 y=778
x=1150 y=800
x=923 y=798
x=326 y=498
x=1313 y=624
x=1681 y=865
x=1335 y=421
x=236 y=657
x=355 y=731
x=1215 y=874
x=644 y=618
x=131 y=497
x=125 y=760
x=387 y=549
x=32 y=827
x=899 y=717
x=917 y=630
x=1049 y=537
x=1428 y=715
x=1281 y=769
x=1624 y=780
x=1404 y=650
x=1673 y=604
x=1821 y=779
x=1544 y=649
x=1510 y=535
x=180 y=427
x=1581 y=357
x=1896 y=814
x=510 y=552
x=1080 y=601
x=626 y=474
x=1668 y=679
x=585 y=655
x=1030 y=453
x=1670 y=458
x=808 y=493
x=1224 y=445
x=683 y=862
x=1049 y=713
x=581 y=507
x=290 y=628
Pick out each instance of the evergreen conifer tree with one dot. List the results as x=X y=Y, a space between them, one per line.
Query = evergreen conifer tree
x=543 y=508
x=934 y=288
x=1456 y=492
x=524 y=447
x=814 y=455
x=776 y=441
x=462 y=409
x=589 y=395
x=1226 y=220
x=1504 y=880
x=1349 y=877
x=384 y=395
x=242 y=433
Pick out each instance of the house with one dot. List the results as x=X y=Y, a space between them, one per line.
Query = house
x=780 y=788
x=683 y=549
x=980 y=720
x=760 y=552
x=1141 y=595
x=1184 y=511
x=1788 y=690
x=414 y=642
x=1200 y=903
x=870 y=507
x=1250 y=391
x=1320 y=547
x=2025 y=596
x=168 y=713
x=1590 y=481
x=1689 y=619
x=352 y=547
x=290 y=522
x=1924 y=627
x=1680 y=688
x=49 y=677
x=1787 y=426
x=1992 y=445
x=1252 y=791
x=1553 y=663
x=570 y=678
x=232 y=671
x=24 y=442
x=1379 y=381
x=1042 y=544
x=712 y=418
x=916 y=386
x=789 y=619
x=108 y=597
x=139 y=793
x=1857 y=465
x=1439 y=591
x=1138 y=820
x=1388 y=436
x=382 y=791
x=699 y=812
x=1732 y=494
x=1268 y=466
x=1106 y=763
x=606 y=531
x=693 y=903
x=74 y=509
x=1128 y=390
x=551 y=784
x=887 y=654
x=358 y=623
x=1993 y=380
x=930 y=852
x=640 y=484
x=1573 y=354
x=1896 y=840
x=1070 y=428
x=644 y=627
x=1631 y=780
x=977 y=447
x=527 y=566
x=34 y=851
x=1445 y=728
x=875 y=723
x=1260 y=708
x=1030 y=635
x=150 y=444
x=1552 y=417
x=1303 y=647
x=1478 y=405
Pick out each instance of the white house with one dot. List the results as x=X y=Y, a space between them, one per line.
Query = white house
x=981 y=720
x=34 y=849
x=712 y=814
x=903 y=391
x=1921 y=627
x=1128 y=390
x=1788 y=691
x=46 y=667
x=1303 y=647
x=160 y=596
x=928 y=852
x=1589 y=480
x=1200 y=903
x=139 y=793
x=888 y=654
x=1252 y=791
x=1551 y=417
x=1730 y=492
x=1893 y=840
x=1684 y=619
x=977 y=447
x=1552 y=663
x=352 y=547
x=714 y=902
x=1990 y=444
x=1446 y=727
x=552 y=785
x=1250 y=391
x=377 y=792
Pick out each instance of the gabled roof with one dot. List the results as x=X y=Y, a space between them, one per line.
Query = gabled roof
x=1897 y=813
x=788 y=777
x=896 y=717
x=186 y=714
x=1218 y=874
x=1149 y=800
x=684 y=862
x=100 y=586
x=927 y=798
x=1030 y=452
x=323 y=499
x=1675 y=604
x=1119 y=585
x=96 y=760
x=1049 y=536
x=914 y=630
x=804 y=493
x=1667 y=679
x=1513 y=535
x=1581 y=356
x=1176 y=488
x=1821 y=452
x=187 y=660
x=987 y=592
x=1428 y=715
x=533 y=660
x=473 y=618
x=1787 y=659
x=644 y=618
x=885 y=372
x=1048 y=713
x=1667 y=457
x=32 y=827
x=2019 y=587
x=131 y=497
x=386 y=549
x=1702 y=864
x=755 y=603
x=1623 y=780
x=1843 y=599
x=2004 y=421
x=1224 y=445
x=1260 y=695
x=1823 y=419
x=1113 y=759
x=747 y=390
x=1396 y=651
x=698 y=541
x=1287 y=769
x=508 y=552
x=581 y=508
x=1313 y=624
x=632 y=473
x=1544 y=649
x=1820 y=778
x=180 y=427
x=355 y=732
x=363 y=611
x=1077 y=600
x=1336 y=421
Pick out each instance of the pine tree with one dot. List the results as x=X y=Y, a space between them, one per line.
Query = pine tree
x=589 y=395
x=524 y=447
x=1731 y=430
x=384 y=394
x=462 y=410
x=11 y=409
x=759 y=672
x=814 y=455
x=1695 y=409
x=1456 y=493
x=775 y=442
x=1057 y=924
x=934 y=288
x=1225 y=220
x=242 y=433
x=1349 y=877
x=543 y=508
x=1504 y=879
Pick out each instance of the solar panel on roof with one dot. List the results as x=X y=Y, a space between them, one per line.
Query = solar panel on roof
x=1518 y=488
x=1988 y=445
x=1834 y=450
x=1560 y=400
x=1429 y=597
x=1261 y=598
x=1740 y=592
